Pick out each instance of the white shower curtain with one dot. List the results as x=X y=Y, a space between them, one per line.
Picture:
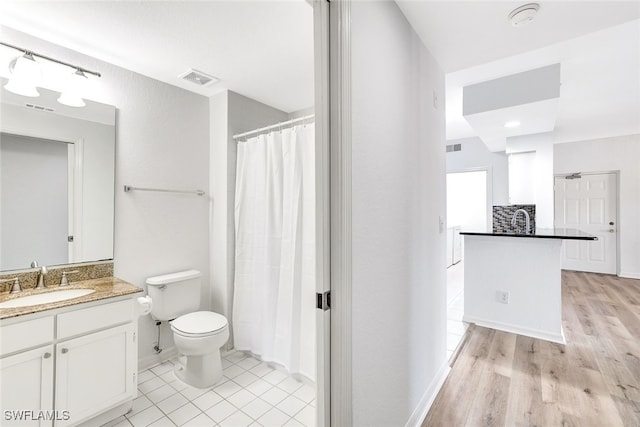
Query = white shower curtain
x=274 y=288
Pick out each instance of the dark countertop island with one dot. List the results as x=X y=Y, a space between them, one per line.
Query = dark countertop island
x=541 y=233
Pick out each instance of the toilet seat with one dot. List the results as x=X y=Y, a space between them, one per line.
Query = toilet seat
x=199 y=324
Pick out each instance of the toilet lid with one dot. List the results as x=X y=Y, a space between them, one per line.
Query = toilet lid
x=199 y=322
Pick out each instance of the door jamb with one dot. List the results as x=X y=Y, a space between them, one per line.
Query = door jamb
x=322 y=101
x=341 y=215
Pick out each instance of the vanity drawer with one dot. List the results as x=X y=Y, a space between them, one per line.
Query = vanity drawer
x=23 y=335
x=94 y=318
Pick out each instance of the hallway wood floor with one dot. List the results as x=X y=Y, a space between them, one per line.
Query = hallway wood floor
x=503 y=379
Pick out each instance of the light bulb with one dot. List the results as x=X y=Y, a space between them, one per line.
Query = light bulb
x=25 y=76
x=71 y=96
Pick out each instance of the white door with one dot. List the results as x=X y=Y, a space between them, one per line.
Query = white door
x=95 y=372
x=588 y=203
x=26 y=384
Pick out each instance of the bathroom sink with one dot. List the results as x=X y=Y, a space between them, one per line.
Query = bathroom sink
x=46 y=298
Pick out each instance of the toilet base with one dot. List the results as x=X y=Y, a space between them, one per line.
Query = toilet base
x=199 y=371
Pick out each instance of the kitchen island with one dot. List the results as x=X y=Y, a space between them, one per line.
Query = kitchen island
x=512 y=282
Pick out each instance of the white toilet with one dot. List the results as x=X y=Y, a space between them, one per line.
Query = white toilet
x=198 y=335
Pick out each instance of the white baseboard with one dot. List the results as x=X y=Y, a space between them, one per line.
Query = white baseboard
x=421 y=411
x=506 y=327
x=628 y=275
x=155 y=359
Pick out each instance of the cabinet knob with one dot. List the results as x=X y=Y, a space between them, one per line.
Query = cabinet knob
x=47 y=355
x=64 y=351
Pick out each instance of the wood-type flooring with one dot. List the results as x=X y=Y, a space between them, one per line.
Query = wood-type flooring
x=503 y=379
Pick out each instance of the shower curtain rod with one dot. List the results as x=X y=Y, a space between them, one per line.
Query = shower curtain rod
x=277 y=125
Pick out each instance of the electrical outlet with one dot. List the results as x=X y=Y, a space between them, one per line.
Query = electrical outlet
x=502 y=296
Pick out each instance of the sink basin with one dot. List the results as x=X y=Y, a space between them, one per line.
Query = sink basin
x=46 y=298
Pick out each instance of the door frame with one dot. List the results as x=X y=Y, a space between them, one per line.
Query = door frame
x=616 y=174
x=322 y=106
x=339 y=61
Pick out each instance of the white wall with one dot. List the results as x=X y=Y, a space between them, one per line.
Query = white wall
x=604 y=155
x=476 y=155
x=522 y=189
x=467 y=200
x=398 y=252
x=162 y=140
x=542 y=174
x=230 y=114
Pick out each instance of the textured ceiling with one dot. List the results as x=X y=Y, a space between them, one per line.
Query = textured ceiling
x=260 y=49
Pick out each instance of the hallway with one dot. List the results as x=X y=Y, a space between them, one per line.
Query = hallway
x=503 y=379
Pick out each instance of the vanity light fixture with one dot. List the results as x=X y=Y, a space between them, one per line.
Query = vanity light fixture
x=26 y=73
x=74 y=86
x=512 y=124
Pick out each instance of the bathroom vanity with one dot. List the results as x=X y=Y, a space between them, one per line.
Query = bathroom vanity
x=512 y=282
x=76 y=357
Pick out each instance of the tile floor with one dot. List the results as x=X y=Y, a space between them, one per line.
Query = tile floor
x=455 y=307
x=253 y=393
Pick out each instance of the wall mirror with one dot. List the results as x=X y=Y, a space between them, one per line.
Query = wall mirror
x=57 y=168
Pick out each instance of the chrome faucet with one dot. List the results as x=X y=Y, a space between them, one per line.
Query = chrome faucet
x=43 y=272
x=526 y=220
x=15 y=288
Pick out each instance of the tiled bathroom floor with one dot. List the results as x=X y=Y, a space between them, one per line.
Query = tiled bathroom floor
x=252 y=393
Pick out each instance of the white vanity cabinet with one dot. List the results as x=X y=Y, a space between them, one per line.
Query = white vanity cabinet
x=88 y=366
x=26 y=384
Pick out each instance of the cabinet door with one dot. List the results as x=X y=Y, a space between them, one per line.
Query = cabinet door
x=95 y=372
x=26 y=387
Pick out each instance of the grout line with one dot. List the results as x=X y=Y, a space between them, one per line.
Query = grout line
x=274 y=368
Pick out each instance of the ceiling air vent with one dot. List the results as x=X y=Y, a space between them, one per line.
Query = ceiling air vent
x=454 y=147
x=198 y=77
x=39 y=108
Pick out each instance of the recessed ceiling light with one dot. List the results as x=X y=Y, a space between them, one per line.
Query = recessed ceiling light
x=524 y=14
x=512 y=124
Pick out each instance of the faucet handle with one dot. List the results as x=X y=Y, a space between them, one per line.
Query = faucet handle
x=15 y=289
x=65 y=281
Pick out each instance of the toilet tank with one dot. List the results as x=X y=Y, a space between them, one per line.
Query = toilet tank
x=174 y=294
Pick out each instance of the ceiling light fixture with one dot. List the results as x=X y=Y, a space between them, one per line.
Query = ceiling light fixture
x=524 y=14
x=512 y=124
x=71 y=96
x=25 y=76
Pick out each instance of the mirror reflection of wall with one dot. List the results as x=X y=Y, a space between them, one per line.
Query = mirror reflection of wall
x=33 y=183
x=57 y=180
